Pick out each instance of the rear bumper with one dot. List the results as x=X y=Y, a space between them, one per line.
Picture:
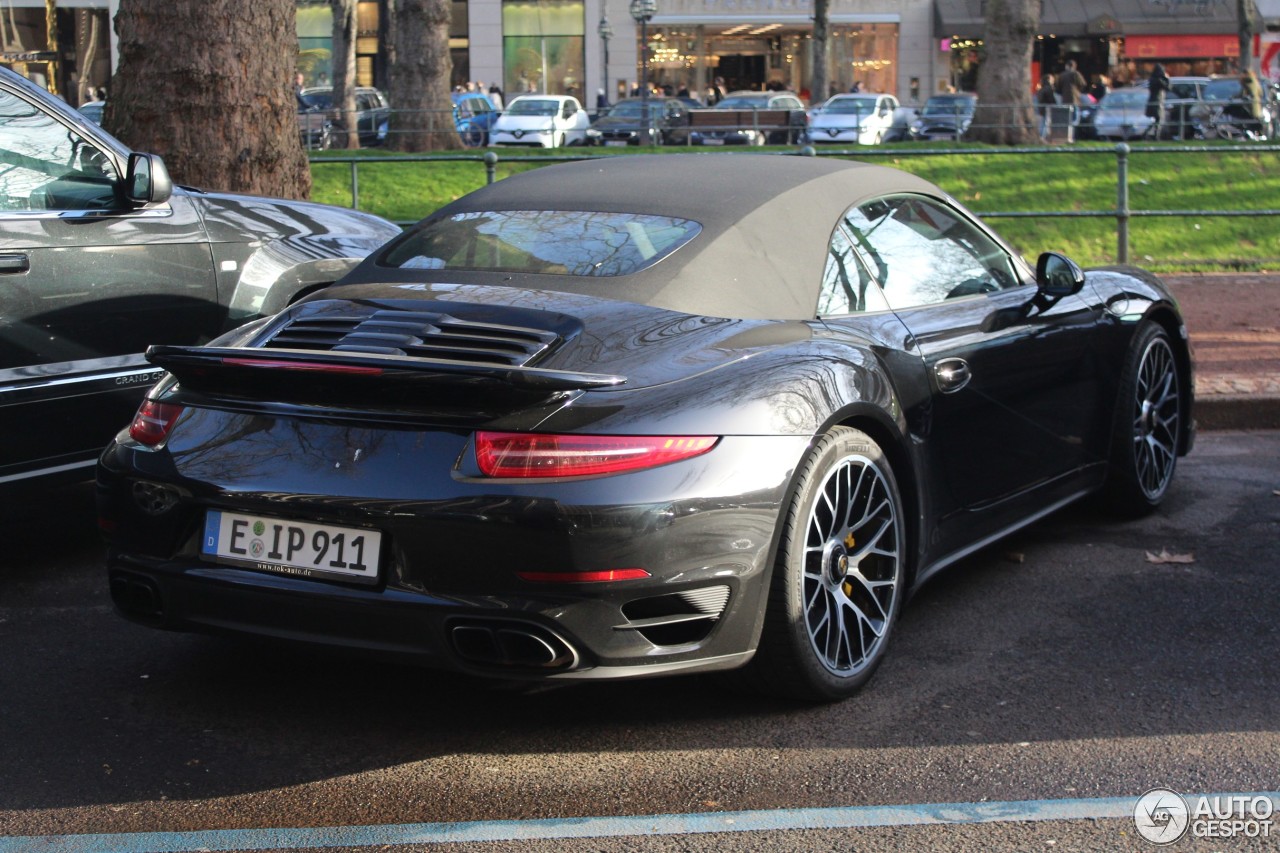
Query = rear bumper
x=449 y=593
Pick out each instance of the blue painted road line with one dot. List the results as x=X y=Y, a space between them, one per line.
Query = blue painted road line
x=587 y=827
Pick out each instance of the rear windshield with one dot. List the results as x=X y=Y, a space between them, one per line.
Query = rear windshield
x=556 y=242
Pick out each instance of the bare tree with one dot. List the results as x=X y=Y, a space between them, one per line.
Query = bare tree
x=1005 y=115
x=821 y=40
x=1245 y=20
x=208 y=86
x=344 y=69
x=419 y=77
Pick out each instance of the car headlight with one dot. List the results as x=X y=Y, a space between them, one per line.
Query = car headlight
x=592 y=132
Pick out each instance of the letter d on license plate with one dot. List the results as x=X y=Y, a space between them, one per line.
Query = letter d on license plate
x=292 y=547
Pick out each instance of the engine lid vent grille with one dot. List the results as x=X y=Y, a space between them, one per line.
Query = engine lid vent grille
x=419 y=334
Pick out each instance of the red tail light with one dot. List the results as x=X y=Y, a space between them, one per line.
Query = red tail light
x=518 y=454
x=153 y=421
x=603 y=576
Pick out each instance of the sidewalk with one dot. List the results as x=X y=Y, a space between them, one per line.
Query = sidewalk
x=1234 y=323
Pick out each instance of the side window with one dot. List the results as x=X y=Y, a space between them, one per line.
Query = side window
x=847 y=286
x=921 y=251
x=45 y=165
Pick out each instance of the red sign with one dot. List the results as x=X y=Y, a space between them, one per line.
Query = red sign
x=1181 y=47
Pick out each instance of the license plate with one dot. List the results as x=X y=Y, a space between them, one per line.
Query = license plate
x=292 y=547
x=713 y=142
x=615 y=143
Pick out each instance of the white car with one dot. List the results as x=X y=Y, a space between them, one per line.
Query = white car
x=542 y=121
x=865 y=119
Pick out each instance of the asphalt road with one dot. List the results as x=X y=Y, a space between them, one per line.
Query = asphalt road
x=1058 y=665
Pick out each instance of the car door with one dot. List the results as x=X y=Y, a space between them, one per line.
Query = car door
x=1015 y=389
x=86 y=283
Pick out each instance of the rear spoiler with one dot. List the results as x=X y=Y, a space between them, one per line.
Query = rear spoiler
x=193 y=364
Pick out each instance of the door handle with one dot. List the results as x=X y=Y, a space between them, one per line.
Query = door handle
x=952 y=374
x=14 y=263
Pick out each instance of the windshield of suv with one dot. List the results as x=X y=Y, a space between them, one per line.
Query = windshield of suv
x=744 y=103
x=631 y=109
x=554 y=242
x=316 y=100
x=533 y=107
x=1222 y=90
x=855 y=106
x=949 y=106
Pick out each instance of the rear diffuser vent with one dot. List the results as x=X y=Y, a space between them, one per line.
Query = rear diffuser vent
x=419 y=334
x=678 y=618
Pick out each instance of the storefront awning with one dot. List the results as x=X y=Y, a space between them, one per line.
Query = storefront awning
x=1181 y=47
x=1102 y=18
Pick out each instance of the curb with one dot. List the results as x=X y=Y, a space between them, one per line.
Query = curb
x=1237 y=412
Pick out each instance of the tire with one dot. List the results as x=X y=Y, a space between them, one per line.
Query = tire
x=838 y=582
x=1147 y=425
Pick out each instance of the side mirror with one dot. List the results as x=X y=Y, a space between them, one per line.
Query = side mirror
x=1058 y=276
x=147 y=181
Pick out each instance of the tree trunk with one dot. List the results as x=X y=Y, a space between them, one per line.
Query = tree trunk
x=344 y=69
x=1005 y=115
x=422 y=117
x=1245 y=28
x=208 y=86
x=821 y=38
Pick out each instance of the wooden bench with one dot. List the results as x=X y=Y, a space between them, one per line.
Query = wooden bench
x=780 y=126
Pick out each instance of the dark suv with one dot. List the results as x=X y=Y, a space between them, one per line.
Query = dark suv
x=319 y=122
x=100 y=255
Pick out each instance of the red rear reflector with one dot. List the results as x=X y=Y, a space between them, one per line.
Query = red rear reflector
x=153 y=421
x=305 y=366
x=521 y=454
x=584 y=577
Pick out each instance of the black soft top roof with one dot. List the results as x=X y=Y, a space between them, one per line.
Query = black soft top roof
x=766 y=225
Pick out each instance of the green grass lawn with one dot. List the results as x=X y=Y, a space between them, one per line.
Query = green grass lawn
x=1204 y=179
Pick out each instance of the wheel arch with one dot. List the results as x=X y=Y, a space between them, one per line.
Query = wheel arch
x=894 y=444
x=1167 y=318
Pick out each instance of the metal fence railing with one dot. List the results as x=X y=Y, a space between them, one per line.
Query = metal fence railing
x=1122 y=213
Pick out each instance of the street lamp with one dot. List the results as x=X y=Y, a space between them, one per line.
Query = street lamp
x=606 y=33
x=642 y=11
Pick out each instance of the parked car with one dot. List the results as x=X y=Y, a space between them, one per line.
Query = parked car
x=320 y=122
x=621 y=124
x=865 y=119
x=1224 y=113
x=746 y=128
x=93 y=111
x=944 y=117
x=1121 y=114
x=577 y=425
x=542 y=121
x=474 y=115
x=101 y=255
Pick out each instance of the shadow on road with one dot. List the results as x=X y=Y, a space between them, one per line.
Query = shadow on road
x=1063 y=632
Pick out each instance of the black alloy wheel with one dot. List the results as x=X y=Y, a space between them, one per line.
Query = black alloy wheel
x=838 y=582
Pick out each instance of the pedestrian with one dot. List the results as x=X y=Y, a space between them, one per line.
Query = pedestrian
x=1070 y=84
x=495 y=96
x=1046 y=100
x=1157 y=88
x=1101 y=86
x=602 y=101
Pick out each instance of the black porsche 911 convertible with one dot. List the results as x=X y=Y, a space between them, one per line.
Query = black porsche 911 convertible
x=639 y=416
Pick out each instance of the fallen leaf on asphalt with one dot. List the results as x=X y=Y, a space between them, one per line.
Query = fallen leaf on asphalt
x=1015 y=557
x=1166 y=557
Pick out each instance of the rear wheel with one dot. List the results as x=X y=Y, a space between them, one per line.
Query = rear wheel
x=837 y=585
x=1147 y=424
